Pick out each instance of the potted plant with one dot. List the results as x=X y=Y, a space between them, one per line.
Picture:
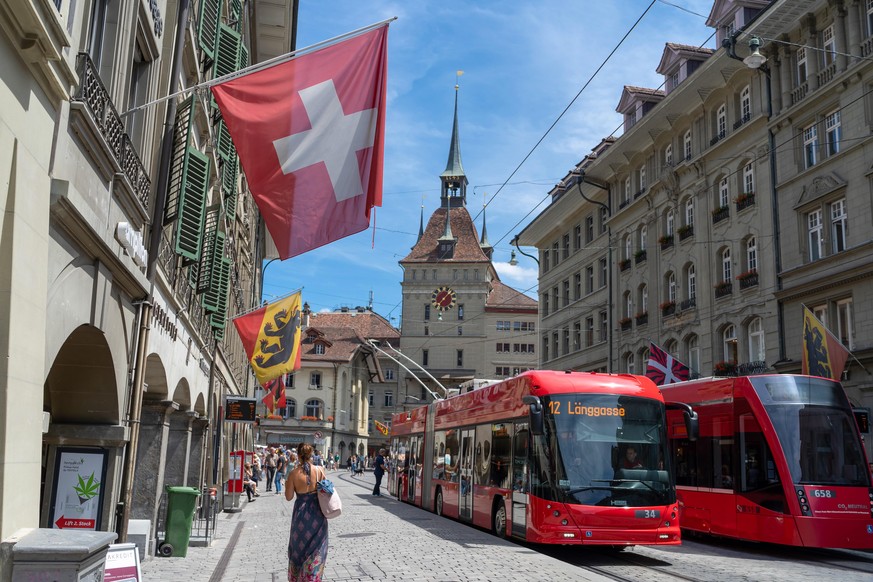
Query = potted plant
x=720 y=209
x=624 y=322
x=744 y=197
x=666 y=239
x=640 y=255
x=746 y=275
x=624 y=264
x=724 y=368
x=685 y=229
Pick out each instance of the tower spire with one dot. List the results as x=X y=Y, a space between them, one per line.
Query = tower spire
x=483 y=242
x=454 y=180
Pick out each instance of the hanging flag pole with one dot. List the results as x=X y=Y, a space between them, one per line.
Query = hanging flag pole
x=265 y=64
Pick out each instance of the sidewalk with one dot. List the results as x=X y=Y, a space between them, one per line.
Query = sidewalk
x=376 y=538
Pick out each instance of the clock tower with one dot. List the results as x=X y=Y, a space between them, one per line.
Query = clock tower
x=453 y=300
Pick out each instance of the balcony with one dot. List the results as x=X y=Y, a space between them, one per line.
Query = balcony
x=799 y=93
x=668 y=308
x=721 y=213
x=733 y=369
x=685 y=231
x=641 y=318
x=97 y=122
x=625 y=323
x=723 y=289
x=666 y=241
x=624 y=264
x=640 y=256
x=745 y=200
x=742 y=120
x=639 y=193
x=720 y=136
x=689 y=303
x=748 y=279
x=724 y=369
x=826 y=75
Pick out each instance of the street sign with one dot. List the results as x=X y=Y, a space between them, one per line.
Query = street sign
x=317 y=434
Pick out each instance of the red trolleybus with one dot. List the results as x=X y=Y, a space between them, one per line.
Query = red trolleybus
x=549 y=457
x=779 y=460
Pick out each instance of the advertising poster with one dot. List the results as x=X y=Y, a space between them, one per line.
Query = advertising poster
x=78 y=492
x=122 y=564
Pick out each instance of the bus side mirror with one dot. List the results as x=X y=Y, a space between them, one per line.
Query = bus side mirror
x=692 y=425
x=535 y=414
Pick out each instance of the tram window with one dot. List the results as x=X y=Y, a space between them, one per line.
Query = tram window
x=482 y=455
x=722 y=463
x=685 y=461
x=519 y=459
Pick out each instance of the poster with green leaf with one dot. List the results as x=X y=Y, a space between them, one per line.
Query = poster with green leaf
x=78 y=489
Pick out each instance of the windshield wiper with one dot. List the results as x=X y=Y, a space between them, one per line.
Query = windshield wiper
x=576 y=490
x=626 y=481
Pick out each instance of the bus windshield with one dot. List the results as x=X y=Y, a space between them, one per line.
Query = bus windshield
x=605 y=450
x=816 y=429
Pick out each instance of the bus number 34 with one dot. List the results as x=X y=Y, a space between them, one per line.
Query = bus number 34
x=647 y=513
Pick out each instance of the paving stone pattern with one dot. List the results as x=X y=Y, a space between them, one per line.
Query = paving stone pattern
x=376 y=538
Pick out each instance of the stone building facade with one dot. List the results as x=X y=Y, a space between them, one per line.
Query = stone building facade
x=125 y=250
x=734 y=197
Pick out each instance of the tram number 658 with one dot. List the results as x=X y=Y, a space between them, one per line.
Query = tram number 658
x=648 y=513
x=825 y=493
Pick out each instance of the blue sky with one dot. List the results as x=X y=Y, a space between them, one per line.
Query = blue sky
x=523 y=63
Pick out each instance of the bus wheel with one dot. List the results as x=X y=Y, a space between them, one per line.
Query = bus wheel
x=438 y=504
x=498 y=521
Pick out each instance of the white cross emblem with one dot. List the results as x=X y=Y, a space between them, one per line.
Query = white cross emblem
x=335 y=139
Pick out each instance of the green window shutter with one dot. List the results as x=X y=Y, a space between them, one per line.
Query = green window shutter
x=243 y=60
x=236 y=15
x=181 y=141
x=228 y=186
x=218 y=317
x=211 y=299
x=207 y=255
x=207 y=26
x=226 y=51
x=192 y=204
x=225 y=144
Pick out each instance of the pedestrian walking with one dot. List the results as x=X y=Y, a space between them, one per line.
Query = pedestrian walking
x=379 y=471
x=307 y=546
x=249 y=486
x=281 y=464
x=270 y=465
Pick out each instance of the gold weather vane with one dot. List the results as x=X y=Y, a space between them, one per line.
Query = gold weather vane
x=458 y=74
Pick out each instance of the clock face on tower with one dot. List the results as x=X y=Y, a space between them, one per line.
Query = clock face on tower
x=443 y=298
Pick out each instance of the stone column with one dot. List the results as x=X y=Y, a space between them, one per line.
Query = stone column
x=178 y=444
x=148 y=482
x=775 y=76
x=785 y=75
x=855 y=28
x=813 y=57
x=196 y=476
x=840 y=34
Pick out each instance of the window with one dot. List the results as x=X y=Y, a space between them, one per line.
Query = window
x=426 y=330
x=829 y=46
x=565 y=344
x=589 y=229
x=721 y=122
x=603 y=217
x=424 y=357
x=555 y=254
x=371 y=398
x=290 y=408
x=693 y=354
x=869 y=17
x=465 y=270
x=673 y=81
x=315 y=379
x=604 y=326
x=628 y=305
x=729 y=339
x=589 y=279
x=627 y=193
x=644 y=299
x=643 y=182
x=555 y=304
x=460 y=356
x=630 y=363
x=314 y=408
x=545 y=348
x=545 y=303
x=692 y=282
x=689 y=212
x=810 y=146
x=644 y=236
x=460 y=330
x=389 y=398
x=389 y=373
x=319 y=349
x=839 y=219
x=752 y=254
x=577 y=237
x=603 y=272
x=566 y=292
x=565 y=252
x=460 y=311
x=427 y=312
x=589 y=331
x=801 y=65
x=628 y=247
x=289 y=380
x=723 y=192
x=555 y=352
x=748 y=179
x=814 y=228
x=577 y=336
x=746 y=104
x=668 y=155
x=671 y=287
x=844 y=322
x=545 y=261
x=670 y=220
x=833 y=132
x=502 y=347
x=821 y=312
x=577 y=286
x=687 y=142
x=756 y=341
x=726 y=265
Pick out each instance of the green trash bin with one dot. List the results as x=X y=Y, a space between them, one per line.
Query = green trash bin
x=181 y=502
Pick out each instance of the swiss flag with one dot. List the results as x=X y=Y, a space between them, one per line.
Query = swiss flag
x=310 y=136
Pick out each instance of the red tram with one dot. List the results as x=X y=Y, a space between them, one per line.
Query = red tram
x=779 y=460
x=545 y=457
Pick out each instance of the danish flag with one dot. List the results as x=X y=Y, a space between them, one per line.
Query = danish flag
x=310 y=137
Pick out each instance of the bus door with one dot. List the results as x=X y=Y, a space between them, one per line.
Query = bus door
x=520 y=481
x=413 y=461
x=466 y=470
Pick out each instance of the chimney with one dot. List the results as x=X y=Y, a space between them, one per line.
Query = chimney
x=306 y=312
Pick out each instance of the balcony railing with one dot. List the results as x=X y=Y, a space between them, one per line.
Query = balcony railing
x=867 y=47
x=748 y=280
x=666 y=242
x=717 y=138
x=641 y=318
x=93 y=94
x=686 y=231
x=639 y=257
x=827 y=74
x=689 y=303
x=639 y=193
x=724 y=289
x=625 y=324
x=668 y=309
x=744 y=119
x=745 y=200
x=734 y=369
x=624 y=264
x=799 y=93
x=720 y=214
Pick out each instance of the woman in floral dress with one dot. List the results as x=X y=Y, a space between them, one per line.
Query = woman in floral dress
x=307 y=546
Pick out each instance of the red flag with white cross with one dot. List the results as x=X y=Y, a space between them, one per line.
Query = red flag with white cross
x=310 y=137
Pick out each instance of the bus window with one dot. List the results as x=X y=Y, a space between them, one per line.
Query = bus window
x=452 y=456
x=439 y=455
x=482 y=455
x=519 y=459
x=685 y=461
x=501 y=454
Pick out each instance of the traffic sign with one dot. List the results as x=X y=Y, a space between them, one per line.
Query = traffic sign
x=317 y=434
